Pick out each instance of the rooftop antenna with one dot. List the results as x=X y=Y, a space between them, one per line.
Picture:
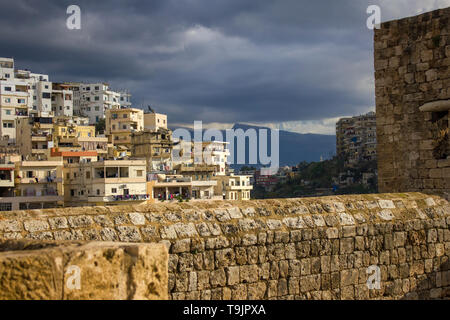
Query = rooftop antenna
x=150 y=109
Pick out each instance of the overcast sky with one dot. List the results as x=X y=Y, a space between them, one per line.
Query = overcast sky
x=292 y=64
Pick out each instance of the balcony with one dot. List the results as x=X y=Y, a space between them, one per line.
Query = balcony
x=120 y=198
x=48 y=180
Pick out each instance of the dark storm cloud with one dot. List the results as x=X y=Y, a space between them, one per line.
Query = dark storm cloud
x=210 y=60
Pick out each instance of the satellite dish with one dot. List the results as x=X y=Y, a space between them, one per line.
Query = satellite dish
x=150 y=109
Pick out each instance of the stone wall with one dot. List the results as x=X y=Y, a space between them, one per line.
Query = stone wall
x=311 y=248
x=35 y=270
x=412 y=68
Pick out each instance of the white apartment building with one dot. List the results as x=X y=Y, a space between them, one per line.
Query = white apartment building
x=14 y=99
x=39 y=92
x=93 y=99
x=62 y=100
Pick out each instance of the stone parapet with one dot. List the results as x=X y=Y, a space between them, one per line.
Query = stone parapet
x=38 y=270
x=309 y=248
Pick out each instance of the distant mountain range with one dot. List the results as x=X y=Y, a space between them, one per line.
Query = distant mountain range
x=293 y=148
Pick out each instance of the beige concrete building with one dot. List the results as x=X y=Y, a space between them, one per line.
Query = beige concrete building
x=108 y=182
x=38 y=184
x=120 y=123
x=211 y=155
x=171 y=187
x=34 y=137
x=155 y=147
x=233 y=187
x=154 y=121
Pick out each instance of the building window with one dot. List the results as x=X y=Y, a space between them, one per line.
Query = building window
x=21 y=101
x=97 y=98
x=7 y=100
x=67 y=175
x=72 y=192
x=45 y=95
x=5 y=206
x=88 y=175
x=139 y=173
x=113 y=190
x=8 y=112
x=8 y=89
x=98 y=192
x=7 y=75
x=29 y=174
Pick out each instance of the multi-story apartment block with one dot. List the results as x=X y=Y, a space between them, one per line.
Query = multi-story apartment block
x=7 y=186
x=356 y=138
x=49 y=138
x=69 y=136
x=212 y=154
x=62 y=100
x=34 y=137
x=233 y=187
x=154 y=121
x=38 y=184
x=155 y=147
x=170 y=187
x=14 y=99
x=125 y=99
x=121 y=123
x=105 y=182
x=6 y=68
x=39 y=93
x=93 y=99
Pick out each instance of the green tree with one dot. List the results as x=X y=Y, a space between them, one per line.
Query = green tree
x=100 y=126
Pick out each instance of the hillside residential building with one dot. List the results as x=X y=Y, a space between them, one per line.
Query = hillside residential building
x=120 y=123
x=38 y=184
x=34 y=137
x=62 y=100
x=154 y=121
x=105 y=182
x=174 y=186
x=233 y=187
x=46 y=138
x=93 y=99
x=213 y=154
x=14 y=99
x=155 y=147
x=356 y=138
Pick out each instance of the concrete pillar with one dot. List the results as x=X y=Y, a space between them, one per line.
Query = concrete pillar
x=167 y=193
